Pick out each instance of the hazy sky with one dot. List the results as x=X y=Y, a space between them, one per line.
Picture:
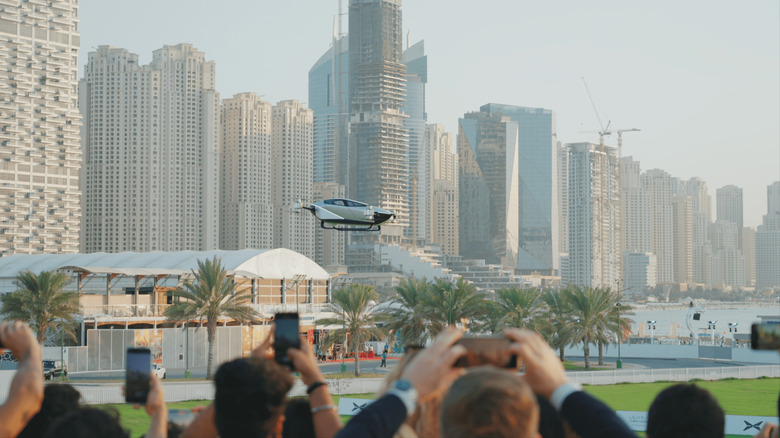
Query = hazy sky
x=700 y=78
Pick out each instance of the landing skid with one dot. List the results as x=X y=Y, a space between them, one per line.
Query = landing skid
x=370 y=228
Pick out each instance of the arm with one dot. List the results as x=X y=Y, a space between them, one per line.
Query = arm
x=327 y=421
x=203 y=425
x=26 y=393
x=430 y=373
x=157 y=409
x=545 y=374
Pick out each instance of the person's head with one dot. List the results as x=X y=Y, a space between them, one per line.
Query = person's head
x=174 y=431
x=685 y=410
x=298 y=422
x=489 y=402
x=250 y=397
x=58 y=400
x=88 y=422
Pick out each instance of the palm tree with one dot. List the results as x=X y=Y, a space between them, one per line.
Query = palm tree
x=405 y=311
x=521 y=308
x=41 y=302
x=449 y=303
x=589 y=307
x=211 y=295
x=557 y=331
x=354 y=304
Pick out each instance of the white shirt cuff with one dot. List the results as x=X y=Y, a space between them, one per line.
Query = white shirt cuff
x=562 y=392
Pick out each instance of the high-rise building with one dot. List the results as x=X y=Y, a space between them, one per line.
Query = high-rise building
x=727 y=261
x=697 y=189
x=151 y=151
x=40 y=151
x=637 y=214
x=682 y=237
x=638 y=272
x=594 y=257
x=328 y=98
x=416 y=63
x=291 y=178
x=658 y=184
x=488 y=184
x=729 y=204
x=563 y=202
x=246 y=212
x=749 y=252
x=378 y=139
x=768 y=242
x=538 y=182
x=444 y=222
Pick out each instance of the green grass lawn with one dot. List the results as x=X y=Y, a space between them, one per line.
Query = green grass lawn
x=737 y=397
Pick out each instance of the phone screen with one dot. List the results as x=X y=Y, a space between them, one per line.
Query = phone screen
x=486 y=351
x=765 y=336
x=138 y=366
x=286 y=336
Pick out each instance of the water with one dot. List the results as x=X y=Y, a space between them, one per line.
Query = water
x=671 y=322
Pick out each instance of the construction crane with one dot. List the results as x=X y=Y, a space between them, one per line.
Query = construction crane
x=604 y=130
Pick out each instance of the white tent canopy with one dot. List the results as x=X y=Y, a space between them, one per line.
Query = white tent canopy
x=276 y=263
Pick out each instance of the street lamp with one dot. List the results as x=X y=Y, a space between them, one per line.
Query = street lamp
x=711 y=326
x=619 y=363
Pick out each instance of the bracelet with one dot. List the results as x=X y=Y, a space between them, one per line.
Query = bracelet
x=323 y=408
x=314 y=386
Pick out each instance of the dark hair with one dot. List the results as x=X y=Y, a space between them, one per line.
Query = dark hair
x=88 y=422
x=58 y=400
x=174 y=431
x=298 y=421
x=488 y=402
x=250 y=397
x=685 y=410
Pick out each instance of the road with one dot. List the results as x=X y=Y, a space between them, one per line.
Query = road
x=372 y=366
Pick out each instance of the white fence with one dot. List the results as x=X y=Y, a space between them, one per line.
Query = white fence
x=95 y=393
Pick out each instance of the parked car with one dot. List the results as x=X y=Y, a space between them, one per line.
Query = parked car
x=54 y=368
x=159 y=370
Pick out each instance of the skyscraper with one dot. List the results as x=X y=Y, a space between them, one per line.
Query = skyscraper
x=594 y=257
x=378 y=143
x=538 y=183
x=416 y=63
x=488 y=184
x=291 y=179
x=246 y=212
x=151 y=151
x=729 y=204
x=658 y=184
x=444 y=221
x=39 y=127
x=682 y=238
x=768 y=241
x=328 y=98
x=636 y=215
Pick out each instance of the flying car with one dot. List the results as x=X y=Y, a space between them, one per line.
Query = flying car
x=349 y=215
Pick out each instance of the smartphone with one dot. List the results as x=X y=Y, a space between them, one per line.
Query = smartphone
x=765 y=336
x=486 y=350
x=286 y=335
x=137 y=368
x=182 y=417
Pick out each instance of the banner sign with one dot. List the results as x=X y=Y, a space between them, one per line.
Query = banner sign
x=353 y=406
x=745 y=425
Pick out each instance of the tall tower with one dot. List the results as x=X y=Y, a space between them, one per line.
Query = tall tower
x=39 y=127
x=729 y=204
x=489 y=188
x=444 y=220
x=416 y=63
x=658 y=184
x=768 y=241
x=378 y=144
x=594 y=257
x=538 y=182
x=246 y=212
x=291 y=178
x=151 y=145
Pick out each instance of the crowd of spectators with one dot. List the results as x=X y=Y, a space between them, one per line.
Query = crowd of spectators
x=424 y=396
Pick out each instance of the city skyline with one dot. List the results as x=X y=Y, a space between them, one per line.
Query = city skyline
x=709 y=65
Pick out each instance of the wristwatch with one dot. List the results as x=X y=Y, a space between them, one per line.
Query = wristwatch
x=404 y=390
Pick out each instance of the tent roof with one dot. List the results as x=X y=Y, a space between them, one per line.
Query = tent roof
x=265 y=263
